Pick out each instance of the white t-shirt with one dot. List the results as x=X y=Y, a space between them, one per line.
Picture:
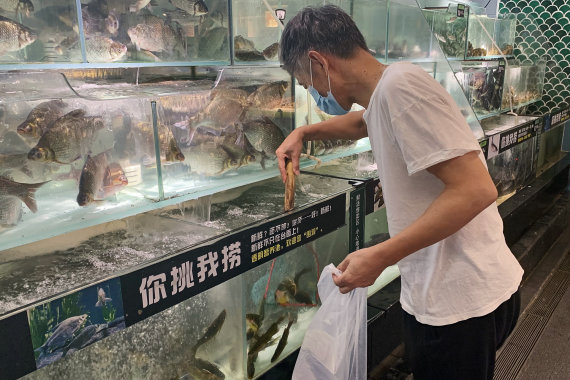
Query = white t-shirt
x=413 y=123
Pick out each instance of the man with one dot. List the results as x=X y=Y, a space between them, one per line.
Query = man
x=459 y=279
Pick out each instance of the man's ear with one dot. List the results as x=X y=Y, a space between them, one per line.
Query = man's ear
x=318 y=59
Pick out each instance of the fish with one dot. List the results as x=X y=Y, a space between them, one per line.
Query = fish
x=67 y=139
x=192 y=7
x=263 y=135
x=169 y=150
x=262 y=341
x=283 y=341
x=104 y=49
x=24 y=191
x=97 y=23
x=208 y=159
x=102 y=298
x=208 y=370
x=63 y=334
x=243 y=44
x=10 y=211
x=14 y=36
x=155 y=35
x=271 y=51
x=451 y=19
x=218 y=115
x=41 y=118
x=214 y=43
x=249 y=55
x=211 y=331
x=235 y=94
x=18 y=6
x=269 y=95
x=288 y=290
x=99 y=179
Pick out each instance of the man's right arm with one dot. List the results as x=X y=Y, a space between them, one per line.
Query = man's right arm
x=350 y=127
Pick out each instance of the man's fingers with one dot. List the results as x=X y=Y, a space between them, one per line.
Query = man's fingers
x=337 y=279
x=281 y=162
x=295 y=160
x=345 y=289
x=343 y=265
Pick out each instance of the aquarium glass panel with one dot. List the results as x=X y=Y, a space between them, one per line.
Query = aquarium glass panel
x=449 y=30
x=408 y=31
x=523 y=84
x=226 y=135
x=505 y=29
x=41 y=31
x=156 y=31
x=280 y=299
x=258 y=25
x=164 y=346
x=372 y=20
x=550 y=151
x=70 y=163
x=483 y=85
x=513 y=169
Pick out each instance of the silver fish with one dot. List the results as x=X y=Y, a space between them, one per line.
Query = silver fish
x=103 y=49
x=63 y=334
x=67 y=139
x=264 y=135
x=155 y=35
x=40 y=118
x=24 y=191
x=99 y=179
x=102 y=298
x=14 y=36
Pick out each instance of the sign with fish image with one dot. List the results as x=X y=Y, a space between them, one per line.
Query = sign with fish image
x=158 y=287
x=60 y=327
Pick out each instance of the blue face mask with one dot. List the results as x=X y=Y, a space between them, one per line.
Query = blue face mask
x=327 y=104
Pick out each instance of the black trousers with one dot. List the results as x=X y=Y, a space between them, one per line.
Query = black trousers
x=464 y=350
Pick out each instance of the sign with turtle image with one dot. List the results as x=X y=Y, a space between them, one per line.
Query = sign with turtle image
x=68 y=324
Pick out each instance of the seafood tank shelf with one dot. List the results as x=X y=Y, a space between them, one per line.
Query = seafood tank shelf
x=106 y=31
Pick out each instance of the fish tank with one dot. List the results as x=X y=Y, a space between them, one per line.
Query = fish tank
x=448 y=30
x=482 y=82
x=549 y=150
x=225 y=134
x=408 y=38
x=523 y=84
x=116 y=31
x=35 y=31
x=220 y=332
x=69 y=160
x=198 y=336
x=258 y=24
x=372 y=20
x=515 y=167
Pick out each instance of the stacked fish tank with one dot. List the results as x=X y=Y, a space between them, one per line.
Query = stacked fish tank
x=523 y=84
x=115 y=31
x=482 y=82
x=448 y=29
x=515 y=167
x=489 y=37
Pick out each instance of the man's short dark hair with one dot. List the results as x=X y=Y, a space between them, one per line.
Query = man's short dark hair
x=327 y=29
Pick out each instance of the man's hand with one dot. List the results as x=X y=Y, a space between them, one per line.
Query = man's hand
x=290 y=148
x=359 y=269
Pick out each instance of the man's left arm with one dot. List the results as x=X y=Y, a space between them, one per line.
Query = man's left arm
x=468 y=190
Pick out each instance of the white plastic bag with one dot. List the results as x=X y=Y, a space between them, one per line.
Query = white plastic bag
x=334 y=347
